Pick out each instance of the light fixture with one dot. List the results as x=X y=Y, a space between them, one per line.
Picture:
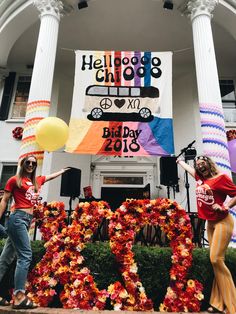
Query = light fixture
x=82 y=4
x=168 y=5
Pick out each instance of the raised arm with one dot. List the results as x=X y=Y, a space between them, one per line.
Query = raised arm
x=4 y=201
x=186 y=167
x=56 y=174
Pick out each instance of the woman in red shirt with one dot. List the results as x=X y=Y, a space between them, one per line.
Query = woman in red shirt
x=24 y=188
x=211 y=191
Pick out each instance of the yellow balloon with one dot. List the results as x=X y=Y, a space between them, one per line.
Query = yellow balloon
x=51 y=133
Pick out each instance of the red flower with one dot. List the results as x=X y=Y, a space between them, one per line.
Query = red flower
x=231 y=135
x=17 y=133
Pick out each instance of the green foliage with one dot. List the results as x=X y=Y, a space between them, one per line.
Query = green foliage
x=153 y=263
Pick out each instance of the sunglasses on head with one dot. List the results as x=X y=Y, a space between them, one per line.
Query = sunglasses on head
x=201 y=158
x=29 y=162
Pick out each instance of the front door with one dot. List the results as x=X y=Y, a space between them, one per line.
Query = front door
x=115 y=196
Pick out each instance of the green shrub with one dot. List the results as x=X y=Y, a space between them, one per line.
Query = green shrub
x=154 y=264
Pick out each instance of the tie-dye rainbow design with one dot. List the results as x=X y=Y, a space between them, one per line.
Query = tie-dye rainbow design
x=122 y=104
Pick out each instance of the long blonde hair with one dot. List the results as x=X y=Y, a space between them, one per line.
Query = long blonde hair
x=21 y=173
x=212 y=166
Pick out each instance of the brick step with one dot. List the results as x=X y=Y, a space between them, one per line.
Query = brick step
x=47 y=310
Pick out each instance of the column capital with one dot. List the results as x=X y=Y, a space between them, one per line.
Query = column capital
x=3 y=73
x=195 y=8
x=50 y=7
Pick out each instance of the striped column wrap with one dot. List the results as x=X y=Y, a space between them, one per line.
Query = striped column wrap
x=214 y=136
x=215 y=143
x=35 y=112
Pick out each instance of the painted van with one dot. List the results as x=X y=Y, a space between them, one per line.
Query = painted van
x=121 y=103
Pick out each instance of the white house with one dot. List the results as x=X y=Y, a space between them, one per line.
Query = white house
x=37 y=62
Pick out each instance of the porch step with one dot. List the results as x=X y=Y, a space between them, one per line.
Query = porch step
x=46 y=310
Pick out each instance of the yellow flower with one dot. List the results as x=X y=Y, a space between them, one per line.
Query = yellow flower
x=191 y=283
x=199 y=296
x=123 y=294
x=185 y=253
x=76 y=283
x=117 y=307
x=139 y=210
x=171 y=293
x=188 y=241
x=102 y=298
x=131 y=299
x=133 y=268
x=67 y=240
x=118 y=226
x=110 y=289
x=163 y=308
x=52 y=282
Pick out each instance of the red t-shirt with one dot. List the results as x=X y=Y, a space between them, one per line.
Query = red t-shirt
x=213 y=191
x=24 y=197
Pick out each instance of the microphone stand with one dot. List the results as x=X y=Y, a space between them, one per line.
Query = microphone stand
x=198 y=226
x=187 y=186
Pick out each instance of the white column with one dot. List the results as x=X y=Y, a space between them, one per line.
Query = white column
x=211 y=111
x=42 y=77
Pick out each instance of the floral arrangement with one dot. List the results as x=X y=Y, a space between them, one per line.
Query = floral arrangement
x=61 y=270
x=231 y=135
x=17 y=133
x=62 y=264
x=183 y=294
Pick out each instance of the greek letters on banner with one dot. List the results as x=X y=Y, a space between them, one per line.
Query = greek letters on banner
x=122 y=104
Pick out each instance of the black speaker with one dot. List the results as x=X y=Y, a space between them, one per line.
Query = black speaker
x=168 y=171
x=70 y=182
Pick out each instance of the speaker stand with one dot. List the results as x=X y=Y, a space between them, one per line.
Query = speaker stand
x=70 y=209
x=187 y=186
x=168 y=191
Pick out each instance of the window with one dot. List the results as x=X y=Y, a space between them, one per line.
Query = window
x=113 y=91
x=228 y=97
x=122 y=180
x=135 y=92
x=7 y=172
x=21 y=97
x=123 y=91
x=97 y=90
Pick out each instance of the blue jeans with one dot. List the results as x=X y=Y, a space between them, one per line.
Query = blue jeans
x=17 y=244
x=3 y=233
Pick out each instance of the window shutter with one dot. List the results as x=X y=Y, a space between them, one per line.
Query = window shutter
x=7 y=95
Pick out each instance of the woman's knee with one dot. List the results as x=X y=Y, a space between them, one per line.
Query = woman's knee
x=216 y=260
x=25 y=259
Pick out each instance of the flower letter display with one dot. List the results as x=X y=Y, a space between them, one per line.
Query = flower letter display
x=182 y=294
x=62 y=264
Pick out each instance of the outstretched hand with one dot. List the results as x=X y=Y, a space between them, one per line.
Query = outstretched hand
x=219 y=207
x=66 y=169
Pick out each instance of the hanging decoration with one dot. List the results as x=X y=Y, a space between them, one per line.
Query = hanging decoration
x=122 y=104
x=17 y=133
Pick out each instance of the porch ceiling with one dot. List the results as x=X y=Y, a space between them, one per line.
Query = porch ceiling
x=129 y=25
